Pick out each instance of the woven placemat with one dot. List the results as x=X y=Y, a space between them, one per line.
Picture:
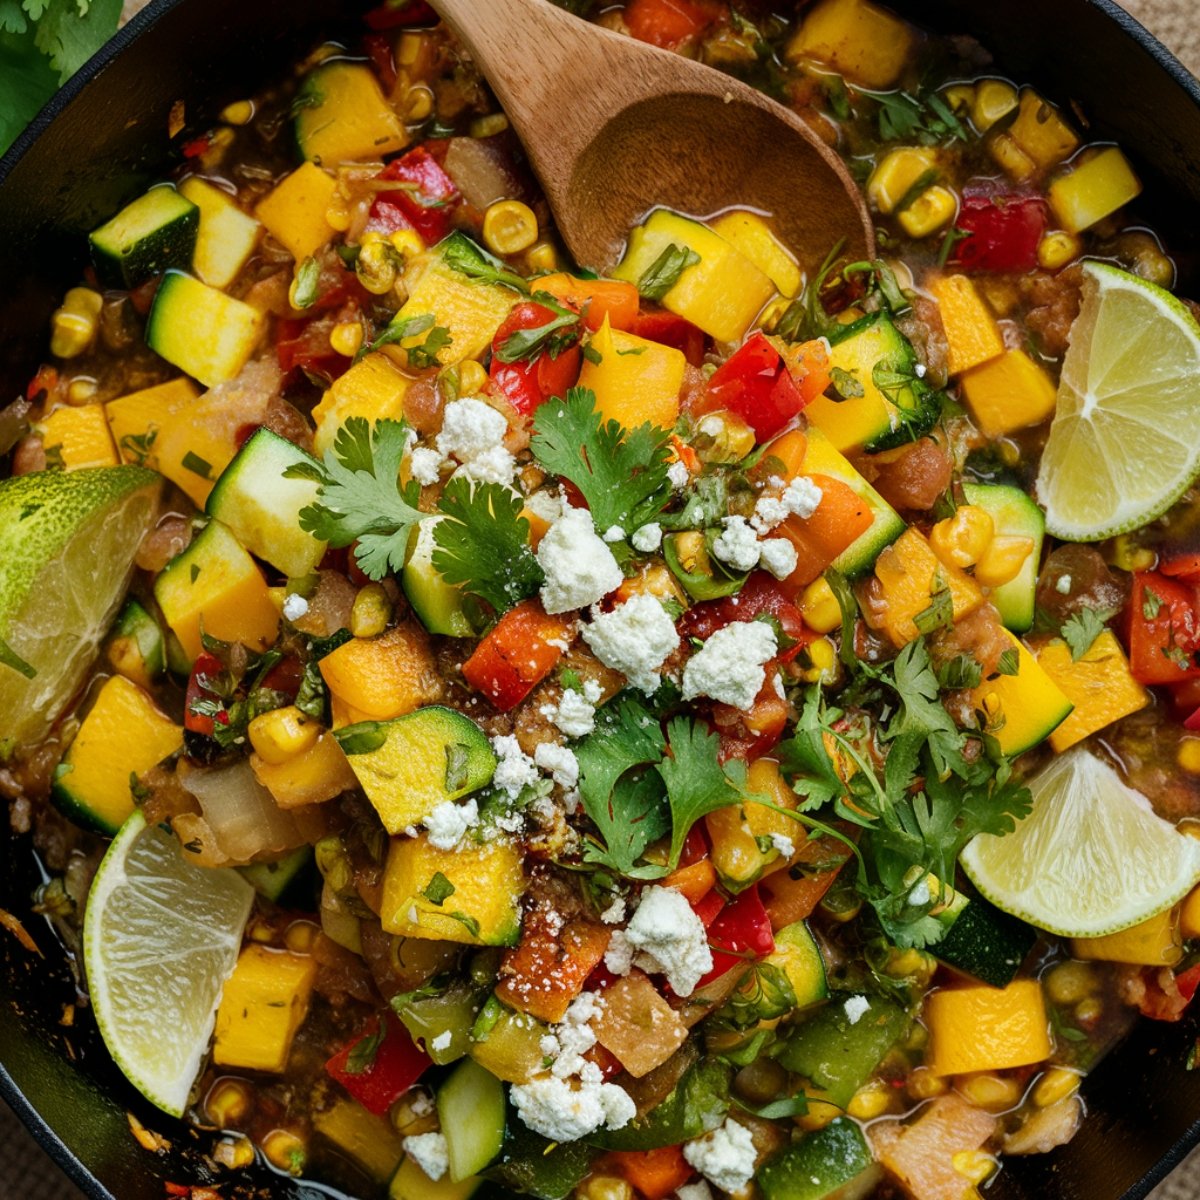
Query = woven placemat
x=27 y=1174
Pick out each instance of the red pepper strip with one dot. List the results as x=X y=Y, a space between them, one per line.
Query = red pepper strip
x=527 y=384
x=207 y=667
x=1164 y=629
x=667 y=23
x=379 y=51
x=761 y=596
x=1188 y=982
x=708 y=907
x=750 y=735
x=1004 y=229
x=394 y=13
x=742 y=930
x=756 y=385
x=398 y=1062
x=430 y=201
x=669 y=330
x=517 y=654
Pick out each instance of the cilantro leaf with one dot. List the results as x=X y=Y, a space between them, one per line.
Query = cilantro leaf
x=634 y=816
x=364 y=1052
x=464 y=256
x=555 y=336
x=697 y=783
x=69 y=32
x=664 y=272
x=805 y=759
x=1081 y=630
x=483 y=544
x=622 y=473
x=361 y=498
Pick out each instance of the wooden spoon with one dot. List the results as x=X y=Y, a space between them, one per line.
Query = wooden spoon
x=614 y=128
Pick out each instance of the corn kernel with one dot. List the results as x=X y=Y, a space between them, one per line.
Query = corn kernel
x=1016 y=163
x=820 y=607
x=1057 y=1084
x=1003 y=560
x=300 y=936
x=285 y=1151
x=235 y=1154
x=472 y=378
x=974 y=1165
x=896 y=173
x=960 y=97
x=992 y=1093
x=1126 y=555
x=409 y=49
x=489 y=126
x=227 y=1103
x=419 y=104
x=1057 y=249
x=923 y=1084
x=81 y=390
x=692 y=552
x=929 y=212
x=240 y=112
x=824 y=662
x=730 y=438
x=1188 y=755
x=909 y=964
x=281 y=734
x=1089 y=1011
x=542 y=258
x=346 y=337
x=870 y=1101
x=994 y=100
x=605 y=1187
x=407 y=242
x=371 y=612
x=820 y=1113
x=509 y=227
x=378 y=265
x=1070 y=982
x=71 y=333
x=337 y=216
x=963 y=539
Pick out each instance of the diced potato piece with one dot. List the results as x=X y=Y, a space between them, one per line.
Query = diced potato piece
x=1009 y=393
x=753 y=239
x=1040 y=131
x=373 y=388
x=318 y=774
x=1153 y=943
x=909 y=575
x=638 y=1025
x=1100 y=686
x=294 y=213
x=512 y=1049
x=1094 y=189
x=384 y=677
x=135 y=420
x=1021 y=710
x=970 y=327
x=721 y=294
x=634 y=380
x=856 y=39
x=264 y=1003
x=76 y=438
x=987 y=1029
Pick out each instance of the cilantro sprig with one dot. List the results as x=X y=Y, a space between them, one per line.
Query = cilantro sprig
x=554 y=337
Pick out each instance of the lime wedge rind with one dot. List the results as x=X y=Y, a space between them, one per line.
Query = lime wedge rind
x=161 y=937
x=1091 y=859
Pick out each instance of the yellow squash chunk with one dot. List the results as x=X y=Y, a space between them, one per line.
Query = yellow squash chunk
x=1099 y=685
x=1040 y=131
x=1009 y=393
x=343 y=116
x=734 y=831
x=294 y=213
x=311 y=777
x=470 y=310
x=370 y=1141
x=857 y=39
x=384 y=677
x=1021 y=710
x=76 y=438
x=634 y=380
x=373 y=388
x=264 y=1003
x=721 y=294
x=135 y=420
x=752 y=238
x=512 y=1050
x=1189 y=916
x=910 y=575
x=1153 y=943
x=123 y=735
x=227 y=236
x=215 y=583
x=986 y=1029
x=971 y=329
x=411 y=1183
x=485 y=906
x=1095 y=189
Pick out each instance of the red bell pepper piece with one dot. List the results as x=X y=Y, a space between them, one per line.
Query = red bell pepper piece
x=1164 y=629
x=708 y=907
x=742 y=929
x=1003 y=230
x=392 y=14
x=527 y=383
x=755 y=383
x=669 y=330
x=762 y=595
x=667 y=23
x=517 y=654
x=389 y=1070
x=207 y=669
x=304 y=345
x=428 y=200
x=1188 y=982
x=1184 y=566
x=656 y=1174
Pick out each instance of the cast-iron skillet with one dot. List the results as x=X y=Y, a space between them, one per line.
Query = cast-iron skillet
x=105 y=137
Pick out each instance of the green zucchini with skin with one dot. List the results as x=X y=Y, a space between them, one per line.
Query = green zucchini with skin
x=153 y=234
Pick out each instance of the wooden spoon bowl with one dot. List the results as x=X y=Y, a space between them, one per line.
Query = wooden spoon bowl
x=615 y=128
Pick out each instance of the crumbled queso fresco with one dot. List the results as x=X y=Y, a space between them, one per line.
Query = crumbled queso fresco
x=665 y=936
x=635 y=639
x=731 y=665
x=579 y=566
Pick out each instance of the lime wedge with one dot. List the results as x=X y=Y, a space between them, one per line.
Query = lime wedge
x=1123 y=445
x=67 y=542
x=160 y=939
x=1090 y=859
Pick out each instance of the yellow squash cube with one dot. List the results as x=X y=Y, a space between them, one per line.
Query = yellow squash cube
x=76 y=438
x=1009 y=393
x=227 y=236
x=753 y=239
x=372 y=1142
x=1040 y=131
x=1094 y=189
x=294 y=213
x=317 y=774
x=1021 y=710
x=264 y=1003
x=721 y=294
x=373 y=388
x=1153 y=943
x=135 y=420
x=986 y=1028
x=857 y=39
x=971 y=330
x=1099 y=685
x=634 y=380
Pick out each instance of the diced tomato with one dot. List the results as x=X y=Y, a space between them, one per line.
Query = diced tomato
x=207 y=669
x=304 y=345
x=1004 y=230
x=756 y=384
x=708 y=907
x=656 y=1174
x=667 y=23
x=197 y=147
x=430 y=197
x=517 y=654
x=387 y=216
x=594 y=299
x=1181 y=566
x=379 y=51
x=285 y=676
x=669 y=330
x=393 y=13
x=695 y=846
x=841 y=518
x=1185 y=697
x=746 y=736
x=526 y=384
x=1166 y=995
x=742 y=930
x=761 y=596
x=1164 y=629
x=43 y=383
x=1188 y=982
x=396 y=1064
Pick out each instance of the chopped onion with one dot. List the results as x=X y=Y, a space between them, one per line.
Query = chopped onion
x=481 y=170
x=243 y=816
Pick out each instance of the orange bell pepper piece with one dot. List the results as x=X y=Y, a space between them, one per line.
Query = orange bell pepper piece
x=517 y=654
x=594 y=299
